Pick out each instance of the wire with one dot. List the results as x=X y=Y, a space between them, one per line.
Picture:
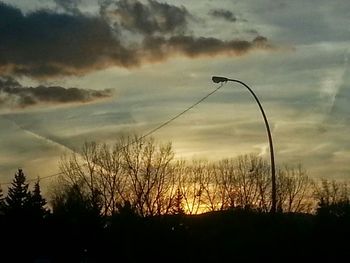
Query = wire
x=143 y=136
x=173 y=118
x=38 y=179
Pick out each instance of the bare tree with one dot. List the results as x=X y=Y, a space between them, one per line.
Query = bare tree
x=219 y=181
x=240 y=182
x=139 y=172
x=151 y=177
x=226 y=181
x=294 y=190
x=210 y=186
x=246 y=182
x=134 y=170
x=84 y=170
x=190 y=183
x=111 y=180
x=252 y=182
x=331 y=192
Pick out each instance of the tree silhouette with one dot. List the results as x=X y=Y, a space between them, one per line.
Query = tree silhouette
x=140 y=173
x=18 y=198
x=37 y=203
x=75 y=204
x=178 y=203
x=2 y=200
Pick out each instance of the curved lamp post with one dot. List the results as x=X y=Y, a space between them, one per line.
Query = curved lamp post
x=217 y=79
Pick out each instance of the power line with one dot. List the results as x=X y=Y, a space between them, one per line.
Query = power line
x=39 y=178
x=173 y=118
x=143 y=136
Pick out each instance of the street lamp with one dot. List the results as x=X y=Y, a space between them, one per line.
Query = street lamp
x=217 y=79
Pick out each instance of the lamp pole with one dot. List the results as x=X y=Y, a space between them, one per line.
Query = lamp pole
x=217 y=79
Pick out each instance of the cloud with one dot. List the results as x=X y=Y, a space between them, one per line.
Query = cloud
x=45 y=44
x=223 y=14
x=339 y=111
x=301 y=22
x=70 y=6
x=150 y=18
x=160 y=48
x=14 y=95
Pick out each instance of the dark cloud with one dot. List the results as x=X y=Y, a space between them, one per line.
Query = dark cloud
x=14 y=95
x=223 y=14
x=46 y=44
x=150 y=18
x=160 y=48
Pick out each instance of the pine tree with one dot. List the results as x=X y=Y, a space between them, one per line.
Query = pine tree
x=2 y=201
x=18 y=197
x=37 y=202
x=178 y=206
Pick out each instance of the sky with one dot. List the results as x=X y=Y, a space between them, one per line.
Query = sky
x=93 y=70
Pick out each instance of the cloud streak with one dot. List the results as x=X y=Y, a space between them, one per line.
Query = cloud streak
x=339 y=109
x=159 y=48
x=127 y=34
x=14 y=95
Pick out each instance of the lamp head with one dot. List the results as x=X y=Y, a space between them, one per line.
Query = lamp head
x=217 y=79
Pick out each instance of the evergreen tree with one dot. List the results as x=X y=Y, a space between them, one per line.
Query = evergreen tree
x=2 y=201
x=75 y=204
x=37 y=203
x=178 y=205
x=18 y=197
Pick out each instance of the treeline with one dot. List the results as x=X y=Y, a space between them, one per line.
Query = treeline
x=145 y=176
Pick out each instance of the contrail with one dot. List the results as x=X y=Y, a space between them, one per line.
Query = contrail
x=336 y=87
x=39 y=136
x=345 y=67
x=160 y=126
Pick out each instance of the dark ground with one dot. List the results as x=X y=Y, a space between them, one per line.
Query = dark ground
x=229 y=236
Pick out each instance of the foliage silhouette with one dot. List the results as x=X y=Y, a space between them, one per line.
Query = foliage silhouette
x=2 y=201
x=37 y=204
x=17 y=201
x=24 y=215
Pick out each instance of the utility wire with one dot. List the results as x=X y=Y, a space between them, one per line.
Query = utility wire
x=173 y=118
x=143 y=136
x=181 y=113
x=37 y=179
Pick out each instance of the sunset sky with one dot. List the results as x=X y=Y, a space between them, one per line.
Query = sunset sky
x=72 y=71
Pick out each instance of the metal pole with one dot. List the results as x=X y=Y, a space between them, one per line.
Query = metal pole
x=273 y=169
